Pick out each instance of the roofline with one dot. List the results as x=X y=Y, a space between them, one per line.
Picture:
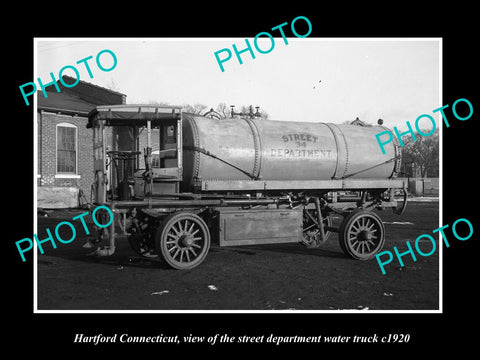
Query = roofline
x=63 y=111
x=94 y=85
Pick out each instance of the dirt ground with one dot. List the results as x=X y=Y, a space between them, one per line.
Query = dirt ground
x=267 y=277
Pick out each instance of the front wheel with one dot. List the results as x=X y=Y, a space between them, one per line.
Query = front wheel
x=183 y=240
x=362 y=234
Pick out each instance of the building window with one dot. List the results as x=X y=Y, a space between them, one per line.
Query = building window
x=66 y=149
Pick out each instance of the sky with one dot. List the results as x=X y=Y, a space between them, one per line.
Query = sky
x=329 y=80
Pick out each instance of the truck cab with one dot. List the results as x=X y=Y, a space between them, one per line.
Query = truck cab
x=137 y=151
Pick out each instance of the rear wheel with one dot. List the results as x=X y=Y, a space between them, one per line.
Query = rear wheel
x=183 y=240
x=361 y=234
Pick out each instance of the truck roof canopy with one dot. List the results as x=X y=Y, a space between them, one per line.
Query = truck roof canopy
x=133 y=115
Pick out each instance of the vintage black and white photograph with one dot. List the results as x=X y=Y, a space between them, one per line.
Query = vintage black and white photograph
x=271 y=174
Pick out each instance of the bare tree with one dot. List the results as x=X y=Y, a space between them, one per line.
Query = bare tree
x=422 y=153
x=195 y=109
x=223 y=109
x=112 y=85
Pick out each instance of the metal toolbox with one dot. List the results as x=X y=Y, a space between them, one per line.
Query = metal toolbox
x=265 y=226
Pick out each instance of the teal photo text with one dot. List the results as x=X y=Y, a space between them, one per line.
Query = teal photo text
x=386 y=136
x=225 y=54
x=30 y=88
x=428 y=246
x=26 y=244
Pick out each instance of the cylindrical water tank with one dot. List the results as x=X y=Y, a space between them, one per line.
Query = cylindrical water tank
x=245 y=149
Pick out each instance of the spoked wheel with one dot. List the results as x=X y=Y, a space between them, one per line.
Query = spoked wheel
x=183 y=240
x=311 y=233
x=362 y=234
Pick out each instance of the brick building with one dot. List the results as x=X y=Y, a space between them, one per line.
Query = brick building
x=64 y=152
